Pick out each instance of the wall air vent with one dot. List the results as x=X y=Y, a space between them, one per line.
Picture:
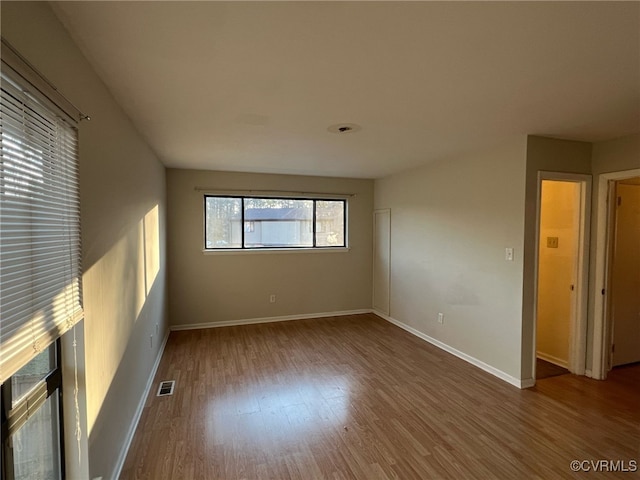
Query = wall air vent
x=166 y=388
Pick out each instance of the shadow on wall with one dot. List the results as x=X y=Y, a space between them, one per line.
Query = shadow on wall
x=117 y=289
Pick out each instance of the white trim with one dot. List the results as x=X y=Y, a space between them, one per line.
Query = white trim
x=467 y=358
x=551 y=359
x=601 y=338
x=578 y=359
x=579 y=320
x=136 y=417
x=258 y=251
x=527 y=383
x=252 y=321
x=588 y=374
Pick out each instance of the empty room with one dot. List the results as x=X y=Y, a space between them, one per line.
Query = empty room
x=319 y=240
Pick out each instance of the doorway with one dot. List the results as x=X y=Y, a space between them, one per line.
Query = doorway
x=624 y=289
x=561 y=274
x=603 y=288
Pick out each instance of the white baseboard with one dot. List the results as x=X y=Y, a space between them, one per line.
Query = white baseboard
x=251 y=321
x=588 y=374
x=551 y=359
x=527 y=383
x=524 y=383
x=136 y=417
x=467 y=358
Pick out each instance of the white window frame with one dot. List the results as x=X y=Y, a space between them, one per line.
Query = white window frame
x=277 y=249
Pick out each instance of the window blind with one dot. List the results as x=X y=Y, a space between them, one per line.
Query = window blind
x=40 y=262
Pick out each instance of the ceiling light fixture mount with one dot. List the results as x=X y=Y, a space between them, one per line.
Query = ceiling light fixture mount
x=344 y=128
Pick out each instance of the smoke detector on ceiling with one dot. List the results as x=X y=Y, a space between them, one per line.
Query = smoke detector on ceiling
x=344 y=128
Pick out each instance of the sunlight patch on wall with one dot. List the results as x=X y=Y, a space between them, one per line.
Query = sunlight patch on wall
x=114 y=294
x=116 y=288
x=151 y=235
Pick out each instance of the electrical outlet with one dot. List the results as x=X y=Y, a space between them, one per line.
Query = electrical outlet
x=272 y=298
x=508 y=254
x=552 y=242
x=440 y=318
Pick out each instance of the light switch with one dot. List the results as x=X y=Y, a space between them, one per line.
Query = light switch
x=552 y=242
x=508 y=254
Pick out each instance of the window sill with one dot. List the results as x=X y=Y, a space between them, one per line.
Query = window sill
x=261 y=251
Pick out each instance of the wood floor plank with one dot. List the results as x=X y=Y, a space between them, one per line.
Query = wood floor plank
x=358 y=398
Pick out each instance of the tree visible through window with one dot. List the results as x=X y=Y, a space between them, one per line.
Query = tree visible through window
x=254 y=223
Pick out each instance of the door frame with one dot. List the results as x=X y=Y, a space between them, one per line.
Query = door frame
x=381 y=211
x=602 y=339
x=578 y=326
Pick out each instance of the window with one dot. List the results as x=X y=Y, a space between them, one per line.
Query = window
x=273 y=223
x=40 y=273
x=32 y=419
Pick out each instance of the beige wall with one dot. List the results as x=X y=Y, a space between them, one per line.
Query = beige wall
x=450 y=224
x=560 y=203
x=616 y=155
x=210 y=288
x=123 y=223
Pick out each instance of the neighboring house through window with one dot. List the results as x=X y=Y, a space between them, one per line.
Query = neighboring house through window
x=274 y=223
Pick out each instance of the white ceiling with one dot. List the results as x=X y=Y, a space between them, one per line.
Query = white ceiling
x=253 y=86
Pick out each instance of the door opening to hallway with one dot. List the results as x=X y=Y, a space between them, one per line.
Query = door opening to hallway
x=624 y=286
x=557 y=270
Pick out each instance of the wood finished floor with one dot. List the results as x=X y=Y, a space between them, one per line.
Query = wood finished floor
x=358 y=398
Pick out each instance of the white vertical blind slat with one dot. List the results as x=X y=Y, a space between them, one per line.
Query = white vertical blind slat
x=40 y=270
